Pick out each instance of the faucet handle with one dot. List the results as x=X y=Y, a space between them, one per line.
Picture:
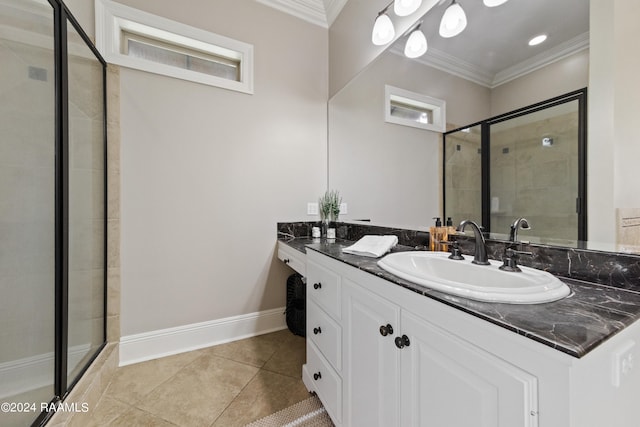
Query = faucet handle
x=455 y=251
x=510 y=260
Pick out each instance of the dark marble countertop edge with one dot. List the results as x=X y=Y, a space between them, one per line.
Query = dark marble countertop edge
x=586 y=298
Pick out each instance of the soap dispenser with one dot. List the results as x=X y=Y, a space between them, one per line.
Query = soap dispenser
x=450 y=231
x=437 y=234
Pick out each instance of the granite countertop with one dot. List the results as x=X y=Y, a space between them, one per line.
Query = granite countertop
x=575 y=325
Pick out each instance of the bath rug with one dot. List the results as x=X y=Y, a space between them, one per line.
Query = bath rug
x=307 y=413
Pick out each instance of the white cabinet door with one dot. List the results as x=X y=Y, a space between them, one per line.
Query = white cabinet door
x=448 y=382
x=371 y=361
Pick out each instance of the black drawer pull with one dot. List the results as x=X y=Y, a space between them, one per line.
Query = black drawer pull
x=286 y=260
x=317 y=285
x=317 y=331
x=317 y=376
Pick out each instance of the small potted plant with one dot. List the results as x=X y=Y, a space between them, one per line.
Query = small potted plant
x=329 y=206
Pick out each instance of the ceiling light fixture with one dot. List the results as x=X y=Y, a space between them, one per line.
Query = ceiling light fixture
x=537 y=40
x=406 y=7
x=454 y=20
x=494 y=3
x=383 y=31
x=416 y=45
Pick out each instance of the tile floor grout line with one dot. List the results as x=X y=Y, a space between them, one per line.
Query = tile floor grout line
x=152 y=415
x=143 y=397
x=236 y=396
x=242 y=362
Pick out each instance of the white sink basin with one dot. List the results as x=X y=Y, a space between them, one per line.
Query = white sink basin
x=479 y=282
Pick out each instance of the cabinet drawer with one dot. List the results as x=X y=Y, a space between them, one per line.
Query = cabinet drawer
x=323 y=287
x=328 y=384
x=325 y=333
x=293 y=258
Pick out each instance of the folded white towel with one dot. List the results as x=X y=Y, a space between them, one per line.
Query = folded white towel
x=372 y=246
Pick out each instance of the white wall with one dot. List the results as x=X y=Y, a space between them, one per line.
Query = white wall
x=613 y=109
x=206 y=173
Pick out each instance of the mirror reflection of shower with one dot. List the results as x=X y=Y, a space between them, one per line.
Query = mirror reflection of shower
x=531 y=164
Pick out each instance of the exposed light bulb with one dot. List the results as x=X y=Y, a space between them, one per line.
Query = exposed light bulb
x=406 y=7
x=416 y=45
x=383 y=31
x=454 y=21
x=494 y=3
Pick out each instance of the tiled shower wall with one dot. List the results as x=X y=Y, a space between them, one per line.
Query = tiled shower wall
x=538 y=182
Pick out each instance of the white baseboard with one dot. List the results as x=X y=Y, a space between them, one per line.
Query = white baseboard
x=166 y=342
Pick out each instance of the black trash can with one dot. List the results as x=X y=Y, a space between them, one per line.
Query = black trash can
x=296 y=312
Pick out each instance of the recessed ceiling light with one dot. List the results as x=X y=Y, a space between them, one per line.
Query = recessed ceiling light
x=537 y=40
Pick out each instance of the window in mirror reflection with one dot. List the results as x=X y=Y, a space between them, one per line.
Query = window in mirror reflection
x=408 y=108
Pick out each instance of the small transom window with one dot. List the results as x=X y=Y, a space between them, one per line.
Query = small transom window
x=136 y=39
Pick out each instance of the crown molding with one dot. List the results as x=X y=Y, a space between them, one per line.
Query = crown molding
x=333 y=9
x=310 y=10
x=543 y=59
x=443 y=61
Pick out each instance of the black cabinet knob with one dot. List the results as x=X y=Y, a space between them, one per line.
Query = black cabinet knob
x=317 y=285
x=317 y=376
x=402 y=342
x=286 y=260
x=386 y=330
x=317 y=331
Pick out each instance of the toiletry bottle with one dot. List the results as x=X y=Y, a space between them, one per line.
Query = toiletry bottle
x=435 y=235
x=451 y=231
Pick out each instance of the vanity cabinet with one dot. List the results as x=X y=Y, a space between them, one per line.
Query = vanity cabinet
x=416 y=374
x=397 y=358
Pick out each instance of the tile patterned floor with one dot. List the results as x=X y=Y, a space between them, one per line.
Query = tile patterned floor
x=223 y=386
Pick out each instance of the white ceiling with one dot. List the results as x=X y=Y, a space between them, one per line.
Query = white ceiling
x=493 y=49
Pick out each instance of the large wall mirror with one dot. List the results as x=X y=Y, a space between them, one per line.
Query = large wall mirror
x=392 y=174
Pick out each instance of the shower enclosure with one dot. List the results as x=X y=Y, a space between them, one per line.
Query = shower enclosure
x=527 y=163
x=52 y=207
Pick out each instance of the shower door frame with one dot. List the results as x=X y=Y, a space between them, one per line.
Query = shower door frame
x=62 y=386
x=485 y=126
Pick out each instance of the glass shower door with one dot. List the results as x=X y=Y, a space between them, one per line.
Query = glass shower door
x=463 y=175
x=27 y=208
x=534 y=172
x=86 y=205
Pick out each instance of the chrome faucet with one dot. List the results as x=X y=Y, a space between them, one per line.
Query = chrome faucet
x=480 y=254
x=520 y=223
